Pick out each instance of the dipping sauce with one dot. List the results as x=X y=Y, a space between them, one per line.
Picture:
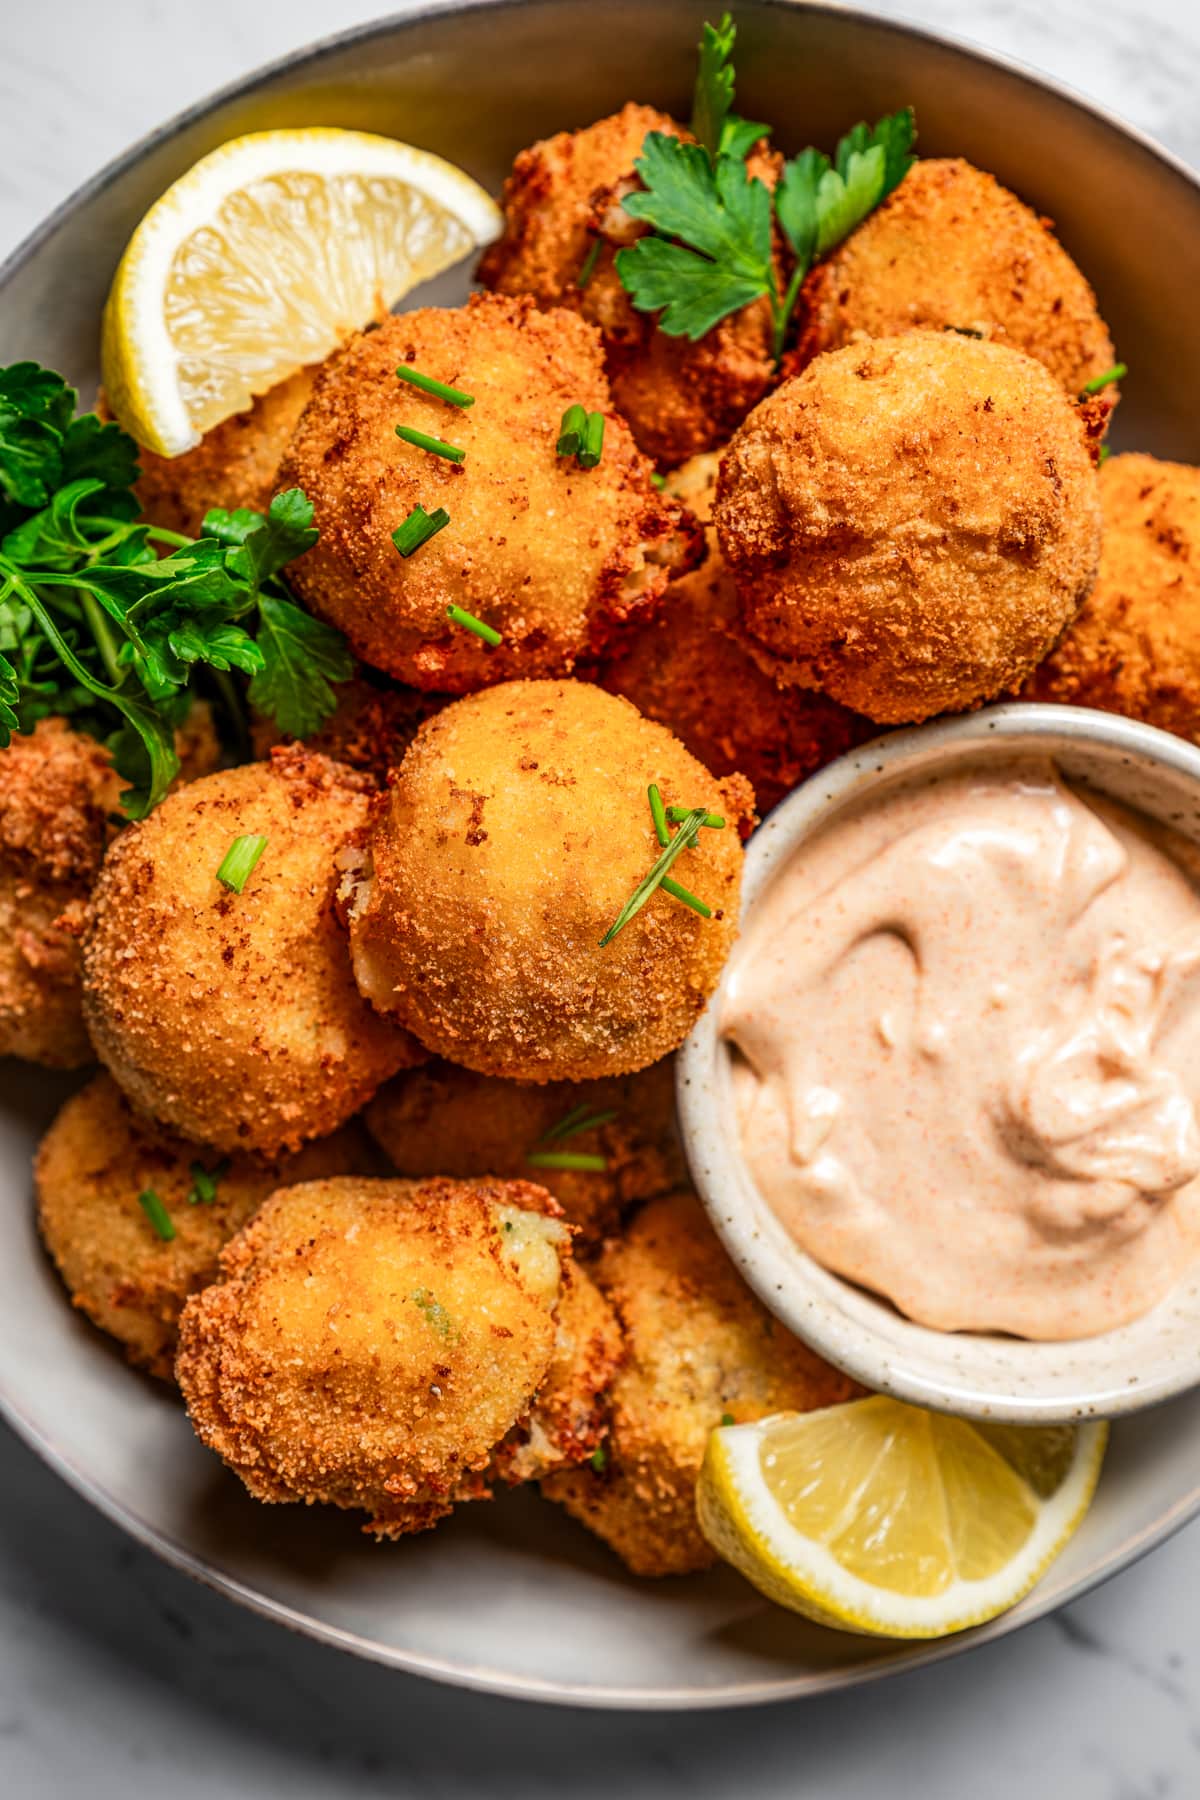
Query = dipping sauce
x=968 y=1017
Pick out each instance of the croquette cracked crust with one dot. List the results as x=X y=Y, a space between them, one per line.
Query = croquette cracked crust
x=554 y=557
x=515 y=831
x=912 y=523
x=380 y=1346
x=234 y=1018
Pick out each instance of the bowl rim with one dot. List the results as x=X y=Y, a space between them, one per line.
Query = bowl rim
x=907 y=1361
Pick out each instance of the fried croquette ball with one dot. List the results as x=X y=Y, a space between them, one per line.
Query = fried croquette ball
x=569 y=1415
x=689 y=669
x=515 y=832
x=370 y=729
x=950 y=249
x=699 y=1351
x=911 y=523
x=94 y=1162
x=1135 y=647
x=233 y=1017
x=562 y=202
x=372 y=1343
x=450 y=1121
x=552 y=556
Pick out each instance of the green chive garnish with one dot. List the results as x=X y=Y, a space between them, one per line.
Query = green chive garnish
x=1105 y=452
x=571 y=431
x=418 y=528
x=457 y=615
x=577 y=1120
x=589 y=264
x=440 y=390
x=1118 y=372
x=421 y=440
x=240 y=861
x=157 y=1214
x=678 y=892
x=583 y=1160
x=713 y=821
x=203 y=1190
x=684 y=839
x=599 y=1459
x=658 y=813
x=589 y=452
x=657 y=480
x=728 y=1419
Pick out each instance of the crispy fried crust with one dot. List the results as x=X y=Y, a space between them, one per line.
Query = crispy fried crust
x=92 y=1164
x=369 y=731
x=446 y=1120
x=1135 y=647
x=911 y=523
x=569 y=1417
x=698 y=1349
x=553 y=557
x=515 y=832
x=370 y=1344
x=234 y=1018
x=690 y=669
x=562 y=197
x=952 y=249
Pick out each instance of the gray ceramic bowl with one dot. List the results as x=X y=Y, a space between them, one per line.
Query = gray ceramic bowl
x=979 y=1375
x=513 y=1597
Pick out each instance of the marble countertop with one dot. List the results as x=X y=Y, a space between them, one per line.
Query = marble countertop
x=119 y=1676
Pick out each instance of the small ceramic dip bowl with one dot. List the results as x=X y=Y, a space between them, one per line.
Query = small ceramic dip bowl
x=975 y=1374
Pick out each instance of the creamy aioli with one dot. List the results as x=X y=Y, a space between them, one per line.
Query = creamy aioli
x=968 y=1014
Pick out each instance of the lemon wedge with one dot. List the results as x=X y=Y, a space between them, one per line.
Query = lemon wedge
x=881 y=1518
x=262 y=258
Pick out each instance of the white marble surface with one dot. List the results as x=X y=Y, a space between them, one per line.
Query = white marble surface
x=119 y=1677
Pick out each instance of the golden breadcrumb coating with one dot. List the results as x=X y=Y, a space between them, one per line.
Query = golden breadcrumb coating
x=1135 y=647
x=92 y=1164
x=372 y=1343
x=234 y=1018
x=370 y=730
x=513 y=835
x=445 y=1120
x=689 y=669
x=569 y=1416
x=699 y=1350
x=911 y=523
x=950 y=249
x=562 y=198
x=552 y=556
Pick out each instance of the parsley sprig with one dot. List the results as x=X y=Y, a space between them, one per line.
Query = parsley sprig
x=107 y=621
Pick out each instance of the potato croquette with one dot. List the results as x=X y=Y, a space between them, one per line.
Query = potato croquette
x=370 y=729
x=911 y=523
x=371 y=1344
x=233 y=1017
x=950 y=249
x=92 y=1164
x=562 y=199
x=569 y=1416
x=1135 y=647
x=449 y=1121
x=699 y=1350
x=515 y=832
x=689 y=669
x=552 y=556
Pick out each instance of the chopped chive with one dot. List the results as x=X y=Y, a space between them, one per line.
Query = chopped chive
x=1118 y=372
x=713 y=821
x=590 y=450
x=567 y=1124
x=658 y=813
x=157 y=1214
x=457 y=615
x=435 y=446
x=203 y=1190
x=728 y=1419
x=599 y=1459
x=568 y=1159
x=678 y=892
x=657 y=480
x=240 y=862
x=1105 y=452
x=684 y=839
x=418 y=528
x=589 y=265
x=578 y=1120
x=440 y=390
x=571 y=431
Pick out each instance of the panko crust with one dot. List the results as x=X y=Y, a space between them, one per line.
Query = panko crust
x=92 y=1164
x=564 y=196
x=446 y=1120
x=513 y=835
x=569 y=1416
x=554 y=557
x=1135 y=647
x=234 y=1018
x=911 y=523
x=699 y=1349
x=689 y=668
x=950 y=249
x=370 y=729
x=371 y=1343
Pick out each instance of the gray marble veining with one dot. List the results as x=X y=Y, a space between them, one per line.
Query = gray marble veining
x=118 y=1676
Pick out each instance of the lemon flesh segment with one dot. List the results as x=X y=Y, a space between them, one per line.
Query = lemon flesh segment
x=264 y=257
x=884 y=1519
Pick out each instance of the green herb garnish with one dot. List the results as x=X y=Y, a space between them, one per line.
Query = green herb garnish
x=584 y=1160
x=421 y=440
x=711 y=821
x=240 y=861
x=685 y=839
x=658 y=813
x=434 y=1311
x=418 y=528
x=1118 y=372
x=678 y=892
x=714 y=125
x=157 y=1214
x=458 y=615
x=580 y=1118
x=592 y=448
x=728 y=1419
x=571 y=431
x=440 y=390
x=657 y=481
x=203 y=1190
x=589 y=264
x=599 y=1459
